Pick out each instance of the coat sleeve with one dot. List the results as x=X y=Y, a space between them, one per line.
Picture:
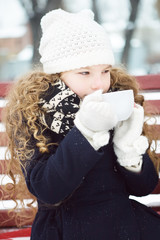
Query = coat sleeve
x=143 y=183
x=52 y=177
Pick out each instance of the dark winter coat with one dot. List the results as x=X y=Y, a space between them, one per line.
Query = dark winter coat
x=95 y=190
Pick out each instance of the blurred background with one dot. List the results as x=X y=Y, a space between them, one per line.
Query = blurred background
x=133 y=27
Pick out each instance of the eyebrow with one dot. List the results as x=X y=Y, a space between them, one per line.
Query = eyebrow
x=90 y=67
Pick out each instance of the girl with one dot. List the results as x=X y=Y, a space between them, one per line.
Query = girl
x=67 y=145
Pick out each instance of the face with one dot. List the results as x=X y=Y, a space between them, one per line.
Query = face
x=84 y=81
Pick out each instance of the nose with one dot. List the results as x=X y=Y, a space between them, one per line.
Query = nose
x=96 y=83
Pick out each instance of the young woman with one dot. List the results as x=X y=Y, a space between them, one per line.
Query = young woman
x=68 y=147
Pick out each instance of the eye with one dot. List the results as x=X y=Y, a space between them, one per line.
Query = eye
x=106 y=71
x=84 y=73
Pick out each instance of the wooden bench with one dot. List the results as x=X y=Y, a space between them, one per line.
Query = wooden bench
x=5 y=202
x=150 y=87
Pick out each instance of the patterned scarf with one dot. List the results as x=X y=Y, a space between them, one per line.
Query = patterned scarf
x=60 y=105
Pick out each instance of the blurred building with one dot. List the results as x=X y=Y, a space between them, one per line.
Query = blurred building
x=15 y=41
x=16 y=48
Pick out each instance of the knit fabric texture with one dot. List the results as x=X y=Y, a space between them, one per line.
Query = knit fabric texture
x=59 y=105
x=73 y=40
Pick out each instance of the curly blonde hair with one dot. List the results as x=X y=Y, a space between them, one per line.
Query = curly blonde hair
x=20 y=117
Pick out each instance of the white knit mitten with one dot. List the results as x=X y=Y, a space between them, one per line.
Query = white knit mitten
x=129 y=144
x=94 y=119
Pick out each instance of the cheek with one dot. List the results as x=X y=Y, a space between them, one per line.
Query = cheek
x=107 y=85
x=75 y=86
x=80 y=89
x=68 y=81
x=73 y=83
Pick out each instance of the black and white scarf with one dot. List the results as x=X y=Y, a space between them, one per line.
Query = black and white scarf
x=59 y=104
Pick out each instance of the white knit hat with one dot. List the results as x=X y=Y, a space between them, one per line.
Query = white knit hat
x=73 y=40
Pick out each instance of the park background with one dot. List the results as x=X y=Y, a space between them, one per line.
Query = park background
x=133 y=27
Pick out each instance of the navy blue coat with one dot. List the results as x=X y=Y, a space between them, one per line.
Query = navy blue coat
x=95 y=191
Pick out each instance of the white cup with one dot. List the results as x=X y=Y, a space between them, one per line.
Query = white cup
x=122 y=103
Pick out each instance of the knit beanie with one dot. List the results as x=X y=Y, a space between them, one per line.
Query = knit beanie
x=73 y=40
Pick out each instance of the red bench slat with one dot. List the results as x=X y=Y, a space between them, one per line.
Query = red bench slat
x=149 y=82
x=3 y=139
x=5 y=221
x=4 y=87
x=152 y=106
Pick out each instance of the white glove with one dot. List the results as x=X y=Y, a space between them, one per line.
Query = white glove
x=129 y=144
x=95 y=118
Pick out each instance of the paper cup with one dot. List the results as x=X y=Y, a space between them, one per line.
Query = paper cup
x=122 y=103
